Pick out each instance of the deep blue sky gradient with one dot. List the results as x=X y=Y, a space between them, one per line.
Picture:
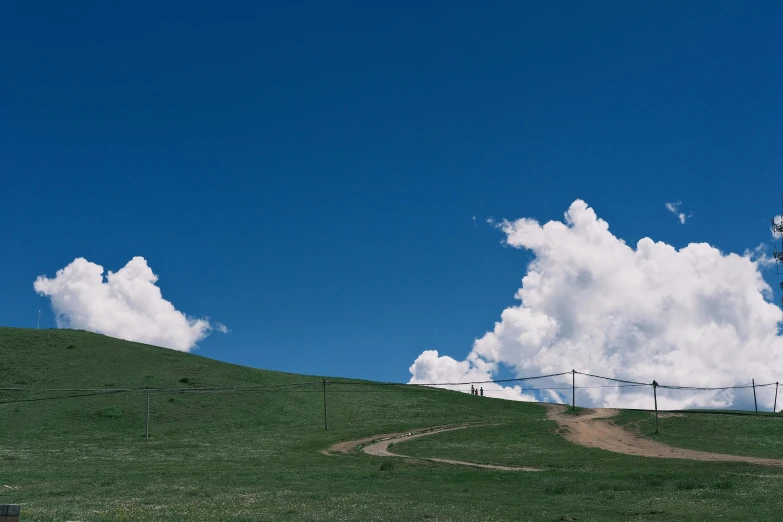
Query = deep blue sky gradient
x=307 y=173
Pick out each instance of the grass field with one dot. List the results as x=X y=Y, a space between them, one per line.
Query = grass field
x=749 y=435
x=250 y=456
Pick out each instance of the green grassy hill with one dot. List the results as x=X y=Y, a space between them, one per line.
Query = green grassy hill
x=254 y=455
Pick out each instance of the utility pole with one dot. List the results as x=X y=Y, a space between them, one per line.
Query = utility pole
x=326 y=425
x=147 y=424
x=573 y=389
x=775 y=406
x=754 y=396
x=655 y=397
x=777 y=231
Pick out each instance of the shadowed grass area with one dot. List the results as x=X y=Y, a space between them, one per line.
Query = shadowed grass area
x=254 y=455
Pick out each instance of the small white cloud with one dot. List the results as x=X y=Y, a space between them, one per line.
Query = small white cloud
x=220 y=327
x=674 y=208
x=555 y=397
x=126 y=304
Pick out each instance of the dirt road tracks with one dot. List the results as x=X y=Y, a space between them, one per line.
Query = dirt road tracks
x=379 y=447
x=590 y=428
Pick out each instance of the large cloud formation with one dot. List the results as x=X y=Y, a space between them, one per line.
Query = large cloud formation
x=126 y=304
x=687 y=317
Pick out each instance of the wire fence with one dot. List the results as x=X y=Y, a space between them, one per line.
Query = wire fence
x=341 y=386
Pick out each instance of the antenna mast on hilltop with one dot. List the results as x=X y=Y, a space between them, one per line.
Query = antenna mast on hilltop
x=39 y=319
x=777 y=230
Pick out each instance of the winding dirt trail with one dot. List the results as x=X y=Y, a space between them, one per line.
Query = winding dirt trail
x=592 y=430
x=380 y=448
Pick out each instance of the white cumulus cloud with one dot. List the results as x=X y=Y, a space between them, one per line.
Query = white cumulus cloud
x=688 y=317
x=126 y=304
x=431 y=368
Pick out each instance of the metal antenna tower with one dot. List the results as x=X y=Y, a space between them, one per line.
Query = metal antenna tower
x=39 y=319
x=777 y=231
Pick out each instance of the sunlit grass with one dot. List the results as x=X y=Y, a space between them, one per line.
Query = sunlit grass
x=250 y=456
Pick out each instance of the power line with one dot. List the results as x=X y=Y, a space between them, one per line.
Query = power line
x=38 y=399
x=292 y=386
x=616 y=380
x=708 y=388
x=516 y=379
x=179 y=389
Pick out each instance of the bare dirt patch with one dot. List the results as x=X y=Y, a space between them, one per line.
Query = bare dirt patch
x=380 y=448
x=669 y=415
x=591 y=429
x=350 y=445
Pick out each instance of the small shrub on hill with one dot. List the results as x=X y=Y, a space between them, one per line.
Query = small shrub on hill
x=689 y=485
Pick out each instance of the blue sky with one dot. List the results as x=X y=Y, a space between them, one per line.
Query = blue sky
x=308 y=174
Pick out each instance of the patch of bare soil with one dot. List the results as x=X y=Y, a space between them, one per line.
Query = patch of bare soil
x=380 y=448
x=592 y=430
x=669 y=415
x=350 y=445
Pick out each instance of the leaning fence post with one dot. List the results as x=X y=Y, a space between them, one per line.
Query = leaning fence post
x=754 y=396
x=655 y=397
x=775 y=406
x=573 y=389
x=326 y=426
x=147 y=422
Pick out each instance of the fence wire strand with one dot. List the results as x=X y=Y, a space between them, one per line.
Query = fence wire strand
x=300 y=387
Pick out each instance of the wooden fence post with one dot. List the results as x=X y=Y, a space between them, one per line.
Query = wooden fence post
x=147 y=420
x=655 y=397
x=756 y=404
x=573 y=389
x=326 y=425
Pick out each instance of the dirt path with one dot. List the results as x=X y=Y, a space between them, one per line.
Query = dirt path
x=349 y=445
x=587 y=429
x=380 y=448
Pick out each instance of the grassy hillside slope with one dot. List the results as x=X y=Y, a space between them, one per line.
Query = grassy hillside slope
x=254 y=455
x=746 y=434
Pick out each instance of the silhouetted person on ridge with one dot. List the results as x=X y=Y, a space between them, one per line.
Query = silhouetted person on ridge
x=482 y=391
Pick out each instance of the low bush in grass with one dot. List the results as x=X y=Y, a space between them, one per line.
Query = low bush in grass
x=689 y=485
